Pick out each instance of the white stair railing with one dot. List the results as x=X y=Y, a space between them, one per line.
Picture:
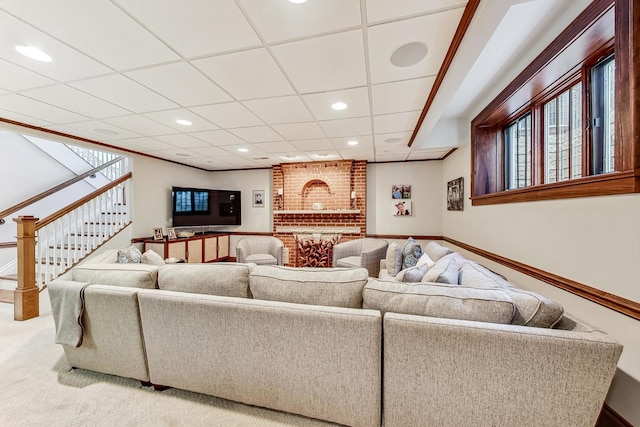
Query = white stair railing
x=98 y=158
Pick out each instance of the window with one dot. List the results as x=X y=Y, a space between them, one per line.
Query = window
x=567 y=125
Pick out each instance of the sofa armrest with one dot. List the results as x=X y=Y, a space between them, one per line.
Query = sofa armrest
x=447 y=372
x=371 y=259
x=346 y=249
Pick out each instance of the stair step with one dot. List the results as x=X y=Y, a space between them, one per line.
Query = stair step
x=10 y=277
x=6 y=296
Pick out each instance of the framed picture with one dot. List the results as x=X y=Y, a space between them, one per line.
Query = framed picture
x=400 y=191
x=258 y=198
x=455 y=195
x=402 y=208
x=171 y=233
x=157 y=234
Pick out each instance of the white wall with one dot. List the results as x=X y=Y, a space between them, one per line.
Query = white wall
x=427 y=194
x=594 y=241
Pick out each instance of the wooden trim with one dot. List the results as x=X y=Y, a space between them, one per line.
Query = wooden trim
x=48 y=220
x=8 y=245
x=52 y=190
x=403 y=237
x=448 y=153
x=606 y=299
x=610 y=418
x=463 y=26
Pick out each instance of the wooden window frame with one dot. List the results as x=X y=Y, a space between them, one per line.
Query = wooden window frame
x=592 y=36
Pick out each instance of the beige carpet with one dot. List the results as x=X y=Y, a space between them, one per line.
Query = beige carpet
x=38 y=388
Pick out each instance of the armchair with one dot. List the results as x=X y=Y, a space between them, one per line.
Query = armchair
x=261 y=250
x=365 y=253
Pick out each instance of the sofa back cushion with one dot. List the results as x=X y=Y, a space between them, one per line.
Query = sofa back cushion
x=436 y=251
x=532 y=309
x=131 y=275
x=336 y=287
x=393 y=259
x=439 y=300
x=224 y=279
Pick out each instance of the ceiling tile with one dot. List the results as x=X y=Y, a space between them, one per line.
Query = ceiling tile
x=276 y=147
x=324 y=63
x=256 y=134
x=97 y=28
x=399 y=139
x=38 y=110
x=407 y=95
x=347 y=127
x=218 y=137
x=435 y=30
x=125 y=93
x=293 y=157
x=169 y=117
x=383 y=10
x=320 y=155
x=279 y=20
x=397 y=122
x=12 y=115
x=364 y=142
x=212 y=152
x=146 y=143
x=177 y=155
x=357 y=100
x=141 y=125
x=181 y=83
x=74 y=100
x=252 y=150
x=312 y=144
x=294 y=131
x=236 y=73
x=288 y=109
x=68 y=64
x=390 y=157
x=229 y=115
x=182 y=141
x=194 y=27
x=427 y=154
x=15 y=78
x=101 y=131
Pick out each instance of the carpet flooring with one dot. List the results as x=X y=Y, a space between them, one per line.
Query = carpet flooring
x=38 y=388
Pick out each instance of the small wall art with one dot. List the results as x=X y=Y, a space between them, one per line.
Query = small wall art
x=258 y=198
x=402 y=208
x=400 y=191
x=455 y=195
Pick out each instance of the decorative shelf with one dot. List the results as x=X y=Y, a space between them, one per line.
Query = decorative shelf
x=318 y=212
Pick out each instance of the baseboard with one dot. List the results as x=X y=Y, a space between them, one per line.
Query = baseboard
x=610 y=418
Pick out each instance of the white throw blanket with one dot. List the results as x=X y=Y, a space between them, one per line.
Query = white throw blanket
x=67 y=306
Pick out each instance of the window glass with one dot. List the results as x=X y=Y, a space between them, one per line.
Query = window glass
x=518 y=153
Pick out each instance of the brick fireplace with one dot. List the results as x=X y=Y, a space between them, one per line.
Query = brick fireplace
x=330 y=183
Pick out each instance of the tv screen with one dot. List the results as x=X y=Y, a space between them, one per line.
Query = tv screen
x=198 y=206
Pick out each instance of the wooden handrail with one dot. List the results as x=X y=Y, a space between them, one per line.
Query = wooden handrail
x=8 y=244
x=62 y=212
x=25 y=203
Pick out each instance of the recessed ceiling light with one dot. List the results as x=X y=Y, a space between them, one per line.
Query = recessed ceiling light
x=409 y=54
x=184 y=122
x=243 y=150
x=339 y=106
x=352 y=143
x=106 y=131
x=34 y=53
x=393 y=140
x=183 y=155
x=297 y=1
x=323 y=156
x=290 y=157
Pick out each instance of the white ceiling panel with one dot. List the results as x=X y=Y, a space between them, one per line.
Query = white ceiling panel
x=436 y=31
x=279 y=20
x=146 y=143
x=324 y=63
x=170 y=117
x=181 y=140
x=357 y=100
x=21 y=118
x=101 y=131
x=395 y=122
x=126 y=93
x=293 y=157
x=347 y=127
x=384 y=10
x=400 y=139
x=193 y=27
x=212 y=152
x=426 y=154
x=37 y=109
x=256 y=134
x=236 y=73
x=312 y=144
x=141 y=125
x=320 y=155
x=15 y=78
x=252 y=150
x=364 y=142
x=276 y=147
x=218 y=137
x=230 y=115
x=390 y=157
x=182 y=83
x=294 y=131
x=85 y=24
x=288 y=109
x=74 y=100
x=397 y=97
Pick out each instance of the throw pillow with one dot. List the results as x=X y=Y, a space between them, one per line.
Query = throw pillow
x=424 y=259
x=129 y=255
x=151 y=257
x=436 y=251
x=411 y=253
x=415 y=274
x=443 y=272
x=394 y=259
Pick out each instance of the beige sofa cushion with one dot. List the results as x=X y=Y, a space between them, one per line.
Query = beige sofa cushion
x=439 y=300
x=336 y=287
x=224 y=279
x=436 y=251
x=532 y=309
x=132 y=275
x=394 y=259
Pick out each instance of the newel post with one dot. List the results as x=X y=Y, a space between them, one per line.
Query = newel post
x=26 y=297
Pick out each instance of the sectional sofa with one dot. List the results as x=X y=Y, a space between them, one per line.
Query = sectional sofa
x=334 y=344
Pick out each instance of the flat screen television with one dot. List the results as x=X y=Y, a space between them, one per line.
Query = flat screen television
x=199 y=207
